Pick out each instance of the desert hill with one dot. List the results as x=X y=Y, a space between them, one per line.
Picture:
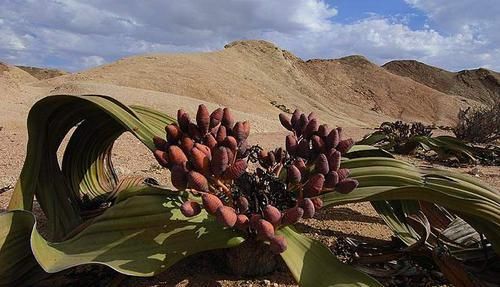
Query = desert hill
x=42 y=73
x=14 y=76
x=249 y=75
x=480 y=84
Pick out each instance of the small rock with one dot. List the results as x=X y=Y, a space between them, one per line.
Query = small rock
x=122 y=171
x=475 y=172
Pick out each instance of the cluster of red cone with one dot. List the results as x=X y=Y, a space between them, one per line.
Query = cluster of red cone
x=317 y=151
x=201 y=154
x=210 y=157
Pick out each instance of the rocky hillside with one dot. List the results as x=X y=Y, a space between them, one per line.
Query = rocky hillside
x=249 y=75
x=42 y=73
x=12 y=78
x=480 y=84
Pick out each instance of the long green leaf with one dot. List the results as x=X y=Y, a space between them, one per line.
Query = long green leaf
x=313 y=264
x=17 y=265
x=140 y=236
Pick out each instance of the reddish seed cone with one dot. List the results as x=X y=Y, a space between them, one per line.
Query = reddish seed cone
x=285 y=122
x=272 y=214
x=318 y=202
x=190 y=208
x=161 y=157
x=300 y=164
x=194 y=132
x=331 y=179
x=227 y=118
x=220 y=161
x=160 y=143
x=278 y=244
x=239 y=131
x=334 y=159
x=293 y=174
x=346 y=186
x=308 y=207
x=264 y=229
x=230 y=155
x=210 y=141
x=203 y=119
x=173 y=133
x=345 y=145
x=221 y=134
x=254 y=220
x=242 y=222
x=323 y=131
x=187 y=144
x=295 y=117
x=197 y=181
x=332 y=139
x=200 y=160
x=321 y=165
x=318 y=144
x=176 y=156
x=216 y=117
x=291 y=144
x=343 y=173
x=226 y=216
x=242 y=204
x=314 y=185
x=311 y=116
x=271 y=157
x=292 y=215
x=211 y=202
x=231 y=143
x=205 y=149
x=246 y=128
x=311 y=128
x=183 y=120
x=242 y=149
x=179 y=177
x=279 y=154
x=302 y=124
x=235 y=170
x=339 y=131
x=303 y=149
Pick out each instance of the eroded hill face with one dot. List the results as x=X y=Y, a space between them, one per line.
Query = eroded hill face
x=480 y=84
x=42 y=73
x=249 y=75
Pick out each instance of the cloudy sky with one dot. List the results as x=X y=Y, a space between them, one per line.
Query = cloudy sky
x=75 y=35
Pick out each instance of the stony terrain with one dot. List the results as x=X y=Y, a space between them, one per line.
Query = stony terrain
x=251 y=77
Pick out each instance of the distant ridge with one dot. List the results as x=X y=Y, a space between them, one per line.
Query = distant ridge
x=479 y=84
x=248 y=75
x=42 y=73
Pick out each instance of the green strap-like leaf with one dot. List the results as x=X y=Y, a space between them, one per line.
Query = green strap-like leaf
x=477 y=211
x=140 y=236
x=17 y=265
x=313 y=265
x=367 y=151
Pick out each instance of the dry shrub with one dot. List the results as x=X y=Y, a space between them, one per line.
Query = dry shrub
x=480 y=125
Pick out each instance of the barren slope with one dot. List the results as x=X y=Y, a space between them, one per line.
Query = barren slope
x=480 y=84
x=248 y=75
x=42 y=73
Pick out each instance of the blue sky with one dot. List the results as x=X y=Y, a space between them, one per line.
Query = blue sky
x=356 y=10
x=76 y=35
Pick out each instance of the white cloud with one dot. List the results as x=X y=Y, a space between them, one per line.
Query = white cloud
x=92 y=61
x=79 y=34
